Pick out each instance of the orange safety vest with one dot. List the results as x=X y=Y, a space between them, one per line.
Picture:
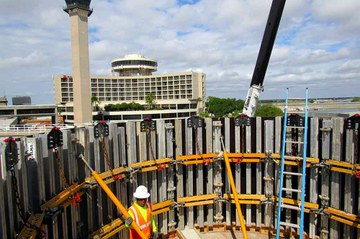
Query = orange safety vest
x=145 y=225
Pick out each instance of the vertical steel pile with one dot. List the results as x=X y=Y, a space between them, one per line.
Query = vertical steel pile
x=38 y=177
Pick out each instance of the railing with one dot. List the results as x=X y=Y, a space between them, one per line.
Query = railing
x=27 y=129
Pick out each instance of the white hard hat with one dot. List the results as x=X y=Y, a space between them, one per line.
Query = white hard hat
x=141 y=192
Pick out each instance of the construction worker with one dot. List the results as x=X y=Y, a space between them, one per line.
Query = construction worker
x=141 y=212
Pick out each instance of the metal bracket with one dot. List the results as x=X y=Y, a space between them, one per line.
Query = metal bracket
x=147 y=124
x=221 y=199
x=11 y=153
x=267 y=199
x=101 y=130
x=194 y=121
x=51 y=215
x=55 y=138
x=177 y=204
x=352 y=121
x=295 y=120
x=242 y=120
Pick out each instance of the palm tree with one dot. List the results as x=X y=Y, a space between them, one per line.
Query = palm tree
x=95 y=102
x=150 y=100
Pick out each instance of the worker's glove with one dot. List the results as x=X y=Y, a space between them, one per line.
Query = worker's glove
x=155 y=235
x=128 y=220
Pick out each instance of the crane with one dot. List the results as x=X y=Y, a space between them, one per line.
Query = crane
x=256 y=86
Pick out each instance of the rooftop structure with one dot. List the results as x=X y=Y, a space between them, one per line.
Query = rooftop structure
x=3 y=101
x=134 y=65
x=21 y=100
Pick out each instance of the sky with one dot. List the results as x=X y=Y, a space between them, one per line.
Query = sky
x=317 y=44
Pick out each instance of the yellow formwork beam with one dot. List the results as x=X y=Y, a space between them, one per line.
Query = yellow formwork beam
x=233 y=188
x=246 y=155
x=343 y=164
x=347 y=222
x=151 y=163
x=108 y=176
x=30 y=231
x=348 y=216
x=246 y=196
x=197 y=198
x=62 y=197
x=162 y=207
x=109 y=229
x=195 y=157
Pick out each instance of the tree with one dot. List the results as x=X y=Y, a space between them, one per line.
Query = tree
x=95 y=103
x=355 y=99
x=220 y=107
x=124 y=107
x=150 y=100
x=268 y=110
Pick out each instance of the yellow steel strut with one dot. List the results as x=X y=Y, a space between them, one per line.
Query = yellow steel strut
x=113 y=198
x=236 y=198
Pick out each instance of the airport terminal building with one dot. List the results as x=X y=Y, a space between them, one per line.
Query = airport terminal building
x=177 y=95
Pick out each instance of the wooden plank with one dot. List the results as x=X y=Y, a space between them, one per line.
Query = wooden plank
x=210 y=171
x=259 y=169
x=325 y=177
x=314 y=171
x=269 y=172
x=179 y=172
x=337 y=144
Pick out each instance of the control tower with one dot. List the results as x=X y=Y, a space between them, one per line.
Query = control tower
x=79 y=11
x=134 y=65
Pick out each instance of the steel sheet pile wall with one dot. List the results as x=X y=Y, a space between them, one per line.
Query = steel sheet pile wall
x=198 y=189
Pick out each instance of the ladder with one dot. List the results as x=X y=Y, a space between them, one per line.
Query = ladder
x=301 y=176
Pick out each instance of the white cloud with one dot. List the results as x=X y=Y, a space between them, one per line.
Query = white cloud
x=317 y=45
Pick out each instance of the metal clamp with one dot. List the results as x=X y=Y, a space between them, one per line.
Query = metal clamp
x=55 y=138
x=242 y=120
x=147 y=124
x=352 y=121
x=101 y=130
x=194 y=121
